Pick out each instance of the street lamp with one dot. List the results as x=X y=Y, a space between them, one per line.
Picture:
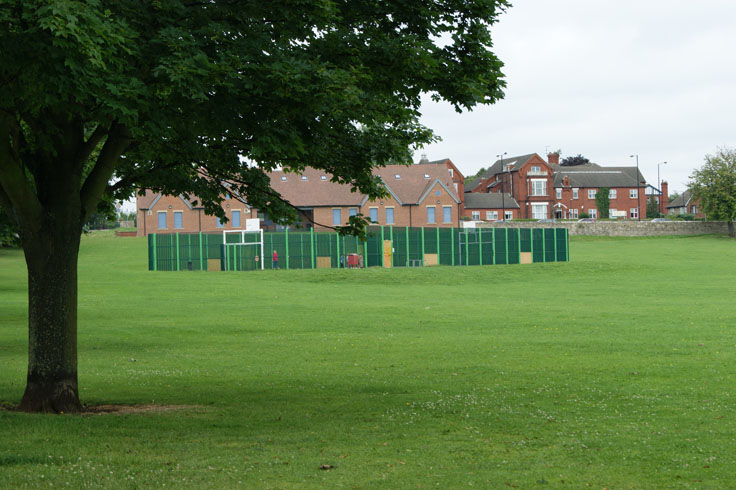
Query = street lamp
x=638 y=198
x=659 y=184
x=503 y=182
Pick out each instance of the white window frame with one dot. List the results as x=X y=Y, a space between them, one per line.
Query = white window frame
x=611 y=193
x=509 y=215
x=575 y=193
x=633 y=193
x=337 y=213
x=475 y=215
x=573 y=213
x=536 y=214
x=371 y=211
x=592 y=193
x=535 y=191
x=634 y=213
x=491 y=215
x=611 y=211
x=593 y=213
x=558 y=193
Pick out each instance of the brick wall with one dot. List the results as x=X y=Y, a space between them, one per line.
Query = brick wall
x=625 y=228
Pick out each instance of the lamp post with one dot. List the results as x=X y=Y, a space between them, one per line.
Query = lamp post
x=638 y=198
x=659 y=185
x=503 y=183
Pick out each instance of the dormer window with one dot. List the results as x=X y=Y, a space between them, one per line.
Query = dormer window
x=397 y=176
x=426 y=176
x=324 y=177
x=507 y=167
x=304 y=177
x=283 y=178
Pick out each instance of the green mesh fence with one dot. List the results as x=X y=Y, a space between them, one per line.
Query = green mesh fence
x=385 y=247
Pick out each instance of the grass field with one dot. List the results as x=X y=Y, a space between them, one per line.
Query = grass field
x=615 y=370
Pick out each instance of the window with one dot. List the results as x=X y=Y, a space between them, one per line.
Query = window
x=426 y=176
x=476 y=215
x=304 y=177
x=634 y=212
x=178 y=219
x=612 y=194
x=352 y=212
x=509 y=215
x=491 y=215
x=447 y=214
x=450 y=170
x=612 y=213
x=336 y=217
x=219 y=223
x=323 y=177
x=389 y=216
x=634 y=193
x=283 y=178
x=539 y=211
x=593 y=213
x=397 y=176
x=558 y=193
x=539 y=187
x=575 y=192
x=693 y=209
x=535 y=170
x=373 y=215
x=591 y=193
x=430 y=215
x=574 y=213
x=236 y=218
x=162 y=220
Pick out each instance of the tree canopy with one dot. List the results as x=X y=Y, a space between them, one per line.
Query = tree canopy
x=574 y=161
x=714 y=185
x=103 y=97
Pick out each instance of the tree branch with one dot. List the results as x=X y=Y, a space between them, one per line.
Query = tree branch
x=89 y=146
x=95 y=184
x=19 y=194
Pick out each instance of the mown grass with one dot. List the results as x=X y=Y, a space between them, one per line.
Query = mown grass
x=613 y=370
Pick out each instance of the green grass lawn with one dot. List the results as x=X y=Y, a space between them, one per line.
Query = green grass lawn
x=614 y=370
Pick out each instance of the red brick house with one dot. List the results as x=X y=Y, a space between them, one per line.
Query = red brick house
x=686 y=204
x=419 y=195
x=544 y=189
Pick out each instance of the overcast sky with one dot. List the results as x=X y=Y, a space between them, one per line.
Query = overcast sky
x=606 y=79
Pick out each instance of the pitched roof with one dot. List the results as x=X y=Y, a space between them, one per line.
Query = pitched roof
x=491 y=200
x=681 y=200
x=516 y=162
x=313 y=187
x=596 y=176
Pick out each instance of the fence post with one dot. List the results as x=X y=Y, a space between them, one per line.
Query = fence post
x=518 y=242
x=311 y=253
x=286 y=236
x=439 y=262
x=544 y=248
x=201 y=266
x=507 y=245
x=177 y=251
x=383 y=259
x=480 y=246
x=155 y=258
x=407 y=246
x=467 y=249
x=531 y=242
x=365 y=253
x=452 y=244
x=337 y=239
x=493 y=248
x=554 y=236
x=567 y=245
x=423 y=248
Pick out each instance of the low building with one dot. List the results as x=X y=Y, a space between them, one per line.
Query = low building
x=686 y=204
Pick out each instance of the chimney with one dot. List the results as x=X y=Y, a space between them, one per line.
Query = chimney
x=553 y=158
x=664 y=198
x=424 y=159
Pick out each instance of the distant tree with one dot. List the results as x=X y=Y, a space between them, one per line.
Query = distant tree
x=673 y=195
x=100 y=98
x=602 y=201
x=476 y=175
x=652 y=208
x=714 y=185
x=8 y=231
x=574 y=161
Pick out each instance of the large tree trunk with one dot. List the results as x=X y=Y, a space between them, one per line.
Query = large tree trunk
x=51 y=257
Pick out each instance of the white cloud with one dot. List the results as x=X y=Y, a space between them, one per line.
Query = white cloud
x=605 y=79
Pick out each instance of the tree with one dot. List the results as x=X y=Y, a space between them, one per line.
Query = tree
x=652 y=208
x=574 y=161
x=673 y=195
x=714 y=185
x=103 y=97
x=602 y=201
